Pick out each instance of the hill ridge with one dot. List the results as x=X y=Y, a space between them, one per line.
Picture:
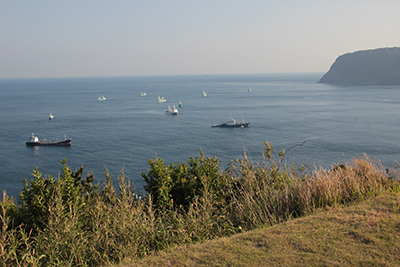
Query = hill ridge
x=361 y=234
x=366 y=67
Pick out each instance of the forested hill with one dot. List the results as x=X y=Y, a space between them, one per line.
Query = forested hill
x=379 y=66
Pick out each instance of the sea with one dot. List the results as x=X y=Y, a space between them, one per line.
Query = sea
x=320 y=125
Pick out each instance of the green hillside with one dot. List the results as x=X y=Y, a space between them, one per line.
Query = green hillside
x=369 y=67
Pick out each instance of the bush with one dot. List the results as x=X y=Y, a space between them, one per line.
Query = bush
x=37 y=195
x=176 y=186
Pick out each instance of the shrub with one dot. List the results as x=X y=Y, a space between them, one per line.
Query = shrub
x=37 y=195
x=178 y=185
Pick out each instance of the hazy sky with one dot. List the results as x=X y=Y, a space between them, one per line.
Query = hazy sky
x=146 y=37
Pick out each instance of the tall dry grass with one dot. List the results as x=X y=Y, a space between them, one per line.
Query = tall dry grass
x=354 y=181
x=262 y=196
x=114 y=225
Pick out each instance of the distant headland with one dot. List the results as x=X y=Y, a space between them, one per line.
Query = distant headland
x=375 y=67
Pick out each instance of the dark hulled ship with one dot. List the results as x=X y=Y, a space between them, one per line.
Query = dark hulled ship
x=34 y=141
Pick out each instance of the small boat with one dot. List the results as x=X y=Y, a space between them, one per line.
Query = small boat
x=232 y=123
x=204 y=94
x=51 y=116
x=249 y=89
x=161 y=99
x=34 y=141
x=101 y=98
x=143 y=94
x=180 y=104
x=172 y=111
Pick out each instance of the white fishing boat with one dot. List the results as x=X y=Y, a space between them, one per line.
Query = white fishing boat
x=180 y=103
x=101 y=98
x=161 y=99
x=249 y=89
x=204 y=94
x=172 y=111
x=51 y=116
x=143 y=94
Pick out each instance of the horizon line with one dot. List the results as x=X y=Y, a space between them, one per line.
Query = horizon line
x=160 y=75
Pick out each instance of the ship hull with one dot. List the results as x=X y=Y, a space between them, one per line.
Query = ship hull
x=239 y=125
x=66 y=142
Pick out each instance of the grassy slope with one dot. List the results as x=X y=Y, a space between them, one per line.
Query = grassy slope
x=363 y=234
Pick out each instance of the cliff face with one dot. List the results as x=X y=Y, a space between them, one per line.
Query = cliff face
x=379 y=66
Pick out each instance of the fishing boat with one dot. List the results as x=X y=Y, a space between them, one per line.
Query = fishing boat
x=204 y=94
x=161 y=99
x=143 y=94
x=101 y=98
x=232 y=123
x=34 y=141
x=180 y=104
x=172 y=111
x=51 y=116
x=249 y=89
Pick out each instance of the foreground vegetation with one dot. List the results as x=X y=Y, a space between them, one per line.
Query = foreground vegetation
x=363 y=234
x=70 y=221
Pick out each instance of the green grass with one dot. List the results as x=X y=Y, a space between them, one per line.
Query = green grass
x=362 y=234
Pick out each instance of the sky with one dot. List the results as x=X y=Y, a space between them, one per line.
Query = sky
x=92 y=38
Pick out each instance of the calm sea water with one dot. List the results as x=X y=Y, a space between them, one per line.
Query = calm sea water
x=126 y=130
